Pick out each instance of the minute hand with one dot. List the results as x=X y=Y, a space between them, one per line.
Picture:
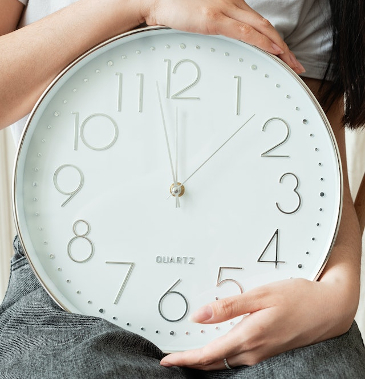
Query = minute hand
x=218 y=149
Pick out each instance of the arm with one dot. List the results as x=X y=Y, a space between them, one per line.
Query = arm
x=343 y=269
x=10 y=15
x=326 y=308
x=32 y=56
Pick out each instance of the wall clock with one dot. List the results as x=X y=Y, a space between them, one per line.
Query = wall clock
x=163 y=170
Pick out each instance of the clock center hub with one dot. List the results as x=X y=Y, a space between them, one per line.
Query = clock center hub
x=177 y=190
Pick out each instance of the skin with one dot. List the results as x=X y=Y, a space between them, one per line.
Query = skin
x=328 y=306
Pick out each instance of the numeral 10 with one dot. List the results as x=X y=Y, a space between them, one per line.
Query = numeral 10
x=79 y=131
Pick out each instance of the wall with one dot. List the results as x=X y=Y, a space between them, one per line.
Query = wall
x=7 y=230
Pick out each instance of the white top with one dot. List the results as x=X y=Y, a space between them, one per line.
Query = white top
x=303 y=24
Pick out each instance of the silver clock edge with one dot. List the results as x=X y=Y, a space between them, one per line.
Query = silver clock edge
x=334 y=143
x=137 y=31
x=335 y=146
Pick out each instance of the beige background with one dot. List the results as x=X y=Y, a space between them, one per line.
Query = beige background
x=7 y=230
x=355 y=147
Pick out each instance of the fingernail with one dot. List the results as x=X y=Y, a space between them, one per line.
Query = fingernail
x=165 y=364
x=277 y=49
x=202 y=314
x=296 y=63
x=303 y=70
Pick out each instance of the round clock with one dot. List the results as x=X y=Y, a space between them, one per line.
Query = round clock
x=163 y=170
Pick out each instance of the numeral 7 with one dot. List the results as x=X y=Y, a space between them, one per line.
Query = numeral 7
x=124 y=284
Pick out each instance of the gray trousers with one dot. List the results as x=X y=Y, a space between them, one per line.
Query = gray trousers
x=41 y=341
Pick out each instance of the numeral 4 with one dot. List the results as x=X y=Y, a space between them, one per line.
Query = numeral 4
x=274 y=240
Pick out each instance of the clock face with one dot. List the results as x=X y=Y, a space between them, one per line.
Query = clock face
x=164 y=170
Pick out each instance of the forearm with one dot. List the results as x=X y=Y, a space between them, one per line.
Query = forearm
x=32 y=56
x=345 y=259
x=342 y=271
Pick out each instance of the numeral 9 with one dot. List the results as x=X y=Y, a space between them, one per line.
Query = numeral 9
x=74 y=192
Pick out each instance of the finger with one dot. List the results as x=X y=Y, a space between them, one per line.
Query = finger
x=244 y=31
x=233 y=362
x=245 y=344
x=234 y=306
x=204 y=357
x=211 y=356
x=265 y=29
x=247 y=33
x=245 y=14
x=230 y=344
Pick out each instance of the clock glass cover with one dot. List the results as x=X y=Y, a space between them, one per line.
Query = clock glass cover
x=164 y=170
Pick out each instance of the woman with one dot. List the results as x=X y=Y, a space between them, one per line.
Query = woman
x=95 y=348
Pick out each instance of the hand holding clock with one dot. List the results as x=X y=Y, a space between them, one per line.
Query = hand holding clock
x=277 y=322
x=291 y=313
x=232 y=18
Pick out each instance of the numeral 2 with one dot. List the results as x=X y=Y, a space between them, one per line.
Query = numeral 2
x=267 y=153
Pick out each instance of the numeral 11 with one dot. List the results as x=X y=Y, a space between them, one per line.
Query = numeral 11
x=238 y=95
x=120 y=91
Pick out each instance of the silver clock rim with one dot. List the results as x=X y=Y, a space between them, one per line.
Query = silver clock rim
x=146 y=30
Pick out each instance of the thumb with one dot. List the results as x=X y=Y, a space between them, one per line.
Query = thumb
x=231 y=307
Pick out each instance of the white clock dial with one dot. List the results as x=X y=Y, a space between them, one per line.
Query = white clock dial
x=164 y=170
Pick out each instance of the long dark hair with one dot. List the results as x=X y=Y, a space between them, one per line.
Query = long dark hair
x=347 y=62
